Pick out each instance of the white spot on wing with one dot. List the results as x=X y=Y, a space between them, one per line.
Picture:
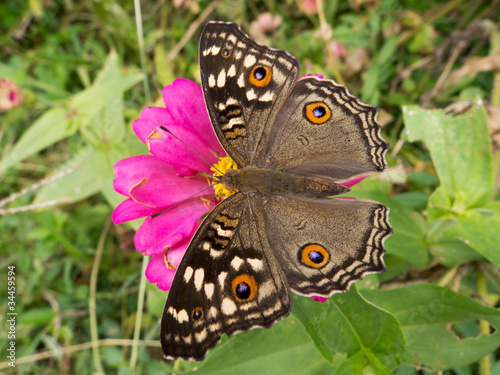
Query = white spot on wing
x=209 y=290
x=251 y=94
x=199 y=275
x=222 y=279
x=228 y=306
x=241 y=81
x=211 y=80
x=255 y=263
x=232 y=71
x=237 y=262
x=267 y=97
x=182 y=316
x=187 y=274
x=249 y=61
x=221 y=79
x=215 y=50
x=201 y=336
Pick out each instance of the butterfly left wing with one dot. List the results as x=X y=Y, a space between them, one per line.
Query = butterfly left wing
x=244 y=85
x=227 y=282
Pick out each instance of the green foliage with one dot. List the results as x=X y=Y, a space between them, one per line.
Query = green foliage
x=427 y=65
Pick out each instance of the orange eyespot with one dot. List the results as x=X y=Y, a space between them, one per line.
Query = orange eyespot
x=314 y=255
x=197 y=313
x=260 y=76
x=318 y=112
x=244 y=288
x=226 y=52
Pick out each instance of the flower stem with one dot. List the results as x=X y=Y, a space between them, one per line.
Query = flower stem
x=142 y=53
x=484 y=326
x=94 y=336
x=138 y=316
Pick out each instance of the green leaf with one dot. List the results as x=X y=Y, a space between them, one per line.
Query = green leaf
x=478 y=228
x=363 y=364
x=284 y=349
x=347 y=323
x=51 y=127
x=36 y=316
x=426 y=313
x=460 y=148
x=77 y=185
x=452 y=252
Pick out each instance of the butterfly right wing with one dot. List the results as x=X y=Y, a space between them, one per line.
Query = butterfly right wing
x=244 y=85
x=324 y=245
x=324 y=131
x=227 y=282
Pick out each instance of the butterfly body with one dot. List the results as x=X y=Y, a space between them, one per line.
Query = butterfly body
x=255 y=180
x=294 y=140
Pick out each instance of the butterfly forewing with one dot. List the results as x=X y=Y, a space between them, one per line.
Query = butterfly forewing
x=228 y=282
x=342 y=141
x=244 y=84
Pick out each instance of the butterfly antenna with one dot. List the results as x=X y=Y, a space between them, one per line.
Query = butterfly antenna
x=196 y=153
x=184 y=200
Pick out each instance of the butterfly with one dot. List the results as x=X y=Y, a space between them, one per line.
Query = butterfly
x=293 y=141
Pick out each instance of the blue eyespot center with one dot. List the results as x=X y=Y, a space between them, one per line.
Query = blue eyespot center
x=243 y=291
x=316 y=257
x=259 y=73
x=319 y=112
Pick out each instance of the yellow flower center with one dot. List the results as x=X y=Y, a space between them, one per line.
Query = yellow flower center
x=219 y=170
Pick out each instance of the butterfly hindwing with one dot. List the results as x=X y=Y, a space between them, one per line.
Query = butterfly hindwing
x=323 y=130
x=244 y=84
x=227 y=282
x=324 y=245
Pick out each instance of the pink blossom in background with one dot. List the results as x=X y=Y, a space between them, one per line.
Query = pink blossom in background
x=10 y=94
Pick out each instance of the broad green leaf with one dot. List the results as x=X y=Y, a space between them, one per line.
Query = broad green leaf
x=452 y=252
x=427 y=313
x=460 y=148
x=77 y=185
x=51 y=127
x=479 y=229
x=347 y=323
x=284 y=349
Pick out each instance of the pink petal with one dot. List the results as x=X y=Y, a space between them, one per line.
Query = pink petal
x=150 y=119
x=353 y=181
x=319 y=299
x=158 y=271
x=130 y=210
x=164 y=191
x=171 y=227
x=185 y=103
x=130 y=171
x=169 y=149
x=154 y=183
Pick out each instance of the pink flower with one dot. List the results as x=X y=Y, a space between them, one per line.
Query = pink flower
x=170 y=179
x=170 y=175
x=10 y=94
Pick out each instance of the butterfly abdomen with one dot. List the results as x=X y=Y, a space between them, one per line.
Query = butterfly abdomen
x=267 y=181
